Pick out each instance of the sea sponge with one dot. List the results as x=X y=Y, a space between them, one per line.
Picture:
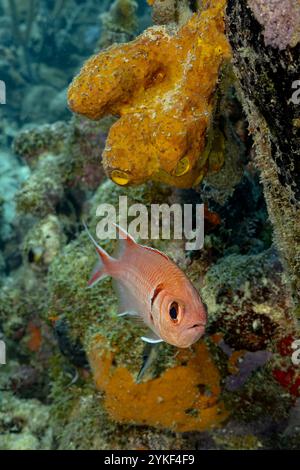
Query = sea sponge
x=184 y=398
x=162 y=87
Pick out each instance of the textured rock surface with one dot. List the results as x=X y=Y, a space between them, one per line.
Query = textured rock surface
x=266 y=78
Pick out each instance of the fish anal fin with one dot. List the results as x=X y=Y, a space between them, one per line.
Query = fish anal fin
x=147 y=360
x=151 y=340
x=152 y=337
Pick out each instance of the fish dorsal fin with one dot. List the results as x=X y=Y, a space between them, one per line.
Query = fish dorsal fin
x=156 y=251
x=123 y=235
x=101 y=252
x=125 y=242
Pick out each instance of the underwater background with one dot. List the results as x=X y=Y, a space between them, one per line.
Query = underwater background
x=200 y=108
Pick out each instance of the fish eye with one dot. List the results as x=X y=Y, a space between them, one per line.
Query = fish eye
x=173 y=311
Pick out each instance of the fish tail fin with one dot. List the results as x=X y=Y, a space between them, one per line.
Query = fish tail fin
x=125 y=242
x=101 y=269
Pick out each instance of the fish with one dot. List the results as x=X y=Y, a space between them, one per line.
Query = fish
x=152 y=289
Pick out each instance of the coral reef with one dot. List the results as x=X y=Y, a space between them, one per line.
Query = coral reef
x=161 y=85
x=24 y=425
x=174 y=11
x=44 y=241
x=62 y=157
x=12 y=175
x=171 y=11
x=101 y=355
x=119 y=24
x=257 y=308
x=73 y=375
x=34 y=39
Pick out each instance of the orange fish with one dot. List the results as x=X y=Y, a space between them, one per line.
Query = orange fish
x=152 y=288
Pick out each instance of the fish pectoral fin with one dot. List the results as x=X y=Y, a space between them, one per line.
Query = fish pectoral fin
x=152 y=339
x=125 y=243
x=128 y=305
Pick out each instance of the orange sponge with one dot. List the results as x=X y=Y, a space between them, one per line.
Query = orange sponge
x=184 y=398
x=161 y=86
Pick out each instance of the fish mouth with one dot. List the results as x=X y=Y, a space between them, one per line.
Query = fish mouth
x=190 y=335
x=196 y=325
x=197 y=330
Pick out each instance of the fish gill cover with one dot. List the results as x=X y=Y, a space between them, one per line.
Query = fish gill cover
x=173 y=102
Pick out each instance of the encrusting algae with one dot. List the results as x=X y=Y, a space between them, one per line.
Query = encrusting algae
x=162 y=87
